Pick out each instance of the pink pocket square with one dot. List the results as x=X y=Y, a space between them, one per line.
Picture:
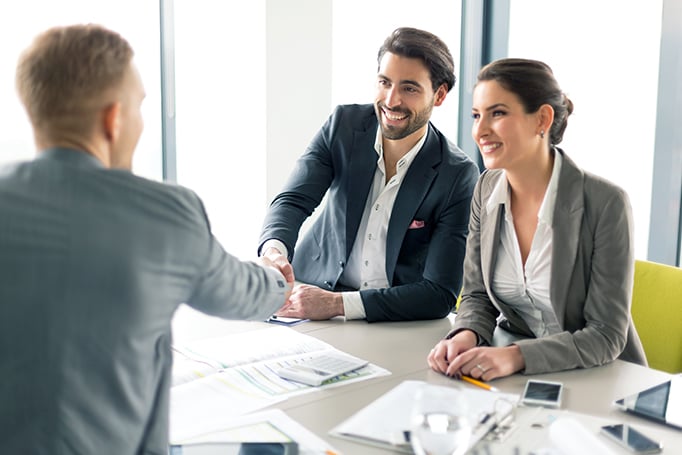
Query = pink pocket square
x=416 y=224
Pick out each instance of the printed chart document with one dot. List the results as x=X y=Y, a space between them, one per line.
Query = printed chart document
x=217 y=379
x=384 y=421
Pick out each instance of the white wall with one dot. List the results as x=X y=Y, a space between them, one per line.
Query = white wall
x=299 y=81
x=605 y=55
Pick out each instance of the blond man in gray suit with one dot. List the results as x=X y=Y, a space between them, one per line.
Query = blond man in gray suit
x=95 y=260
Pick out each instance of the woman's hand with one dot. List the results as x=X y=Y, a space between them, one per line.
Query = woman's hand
x=487 y=363
x=445 y=350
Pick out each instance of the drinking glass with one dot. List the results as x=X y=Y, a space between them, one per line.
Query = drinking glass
x=440 y=421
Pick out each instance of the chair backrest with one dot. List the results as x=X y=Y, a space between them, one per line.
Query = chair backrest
x=657 y=313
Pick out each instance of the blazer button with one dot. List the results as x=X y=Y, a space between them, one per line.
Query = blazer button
x=340 y=263
x=328 y=284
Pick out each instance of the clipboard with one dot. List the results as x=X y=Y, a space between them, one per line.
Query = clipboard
x=385 y=422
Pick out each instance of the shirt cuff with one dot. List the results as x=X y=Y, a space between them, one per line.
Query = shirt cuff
x=274 y=243
x=352 y=305
x=479 y=339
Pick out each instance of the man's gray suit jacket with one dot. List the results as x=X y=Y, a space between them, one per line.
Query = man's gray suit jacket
x=423 y=265
x=591 y=277
x=93 y=264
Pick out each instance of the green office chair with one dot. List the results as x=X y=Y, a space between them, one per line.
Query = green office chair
x=657 y=314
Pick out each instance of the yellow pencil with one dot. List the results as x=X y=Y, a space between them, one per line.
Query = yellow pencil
x=478 y=383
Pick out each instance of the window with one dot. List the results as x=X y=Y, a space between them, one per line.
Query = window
x=220 y=115
x=136 y=21
x=610 y=72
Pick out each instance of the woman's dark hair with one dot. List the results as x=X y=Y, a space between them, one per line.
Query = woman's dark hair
x=415 y=43
x=534 y=83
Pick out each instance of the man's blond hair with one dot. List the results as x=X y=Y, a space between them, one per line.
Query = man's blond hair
x=66 y=75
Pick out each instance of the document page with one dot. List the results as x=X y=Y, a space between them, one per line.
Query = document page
x=201 y=406
x=221 y=378
x=203 y=357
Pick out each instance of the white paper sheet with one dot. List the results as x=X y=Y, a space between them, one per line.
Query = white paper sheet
x=201 y=357
x=200 y=406
x=271 y=426
x=572 y=438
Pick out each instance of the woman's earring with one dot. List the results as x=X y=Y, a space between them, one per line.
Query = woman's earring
x=542 y=134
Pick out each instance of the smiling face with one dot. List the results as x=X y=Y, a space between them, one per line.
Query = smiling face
x=507 y=136
x=405 y=97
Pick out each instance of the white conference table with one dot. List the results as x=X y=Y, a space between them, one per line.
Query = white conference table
x=401 y=348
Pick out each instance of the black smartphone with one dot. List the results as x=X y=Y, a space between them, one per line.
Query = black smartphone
x=235 y=448
x=632 y=439
x=543 y=393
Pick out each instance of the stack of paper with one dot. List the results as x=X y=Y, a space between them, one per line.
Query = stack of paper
x=218 y=379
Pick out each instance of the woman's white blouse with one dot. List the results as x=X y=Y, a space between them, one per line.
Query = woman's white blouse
x=527 y=290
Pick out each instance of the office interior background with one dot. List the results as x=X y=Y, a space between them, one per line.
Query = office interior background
x=236 y=90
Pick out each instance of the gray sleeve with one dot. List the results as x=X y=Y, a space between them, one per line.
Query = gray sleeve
x=476 y=311
x=233 y=289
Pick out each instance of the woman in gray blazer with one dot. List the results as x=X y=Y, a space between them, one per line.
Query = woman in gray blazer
x=549 y=253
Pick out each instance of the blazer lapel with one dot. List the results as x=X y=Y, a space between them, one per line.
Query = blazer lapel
x=490 y=234
x=363 y=163
x=490 y=239
x=413 y=190
x=568 y=217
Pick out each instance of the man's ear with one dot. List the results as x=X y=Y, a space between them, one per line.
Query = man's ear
x=112 y=121
x=439 y=97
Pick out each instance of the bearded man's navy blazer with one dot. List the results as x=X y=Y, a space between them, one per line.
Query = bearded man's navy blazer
x=423 y=264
